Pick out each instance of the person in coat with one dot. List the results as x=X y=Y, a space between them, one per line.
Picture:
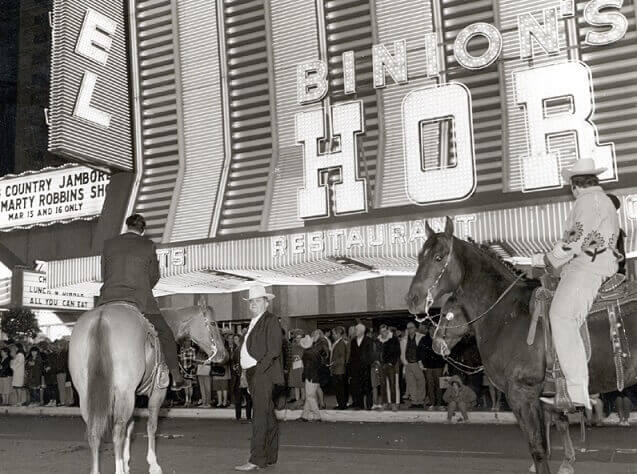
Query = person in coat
x=34 y=371
x=458 y=397
x=390 y=361
x=338 y=366
x=312 y=360
x=130 y=271
x=411 y=355
x=261 y=359
x=585 y=257
x=360 y=364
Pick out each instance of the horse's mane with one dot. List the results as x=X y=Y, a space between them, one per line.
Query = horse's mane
x=492 y=256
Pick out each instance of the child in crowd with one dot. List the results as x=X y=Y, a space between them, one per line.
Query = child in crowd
x=458 y=397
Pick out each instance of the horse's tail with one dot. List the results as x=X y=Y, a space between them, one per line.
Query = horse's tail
x=99 y=397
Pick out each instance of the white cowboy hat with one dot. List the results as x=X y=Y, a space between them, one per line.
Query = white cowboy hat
x=306 y=342
x=585 y=166
x=258 y=291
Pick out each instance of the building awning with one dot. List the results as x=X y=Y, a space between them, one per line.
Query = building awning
x=331 y=255
x=8 y=261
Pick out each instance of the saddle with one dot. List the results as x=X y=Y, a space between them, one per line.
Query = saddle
x=615 y=293
x=156 y=371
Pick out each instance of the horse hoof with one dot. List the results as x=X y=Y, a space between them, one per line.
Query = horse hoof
x=566 y=468
x=155 y=470
x=532 y=468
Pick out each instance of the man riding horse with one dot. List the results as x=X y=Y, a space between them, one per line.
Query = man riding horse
x=585 y=257
x=130 y=271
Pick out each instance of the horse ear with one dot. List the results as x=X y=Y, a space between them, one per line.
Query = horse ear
x=449 y=227
x=428 y=230
x=201 y=301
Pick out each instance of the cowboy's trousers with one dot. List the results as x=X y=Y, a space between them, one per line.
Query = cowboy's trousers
x=574 y=296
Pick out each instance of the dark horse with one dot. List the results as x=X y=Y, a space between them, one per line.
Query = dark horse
x=495 y=304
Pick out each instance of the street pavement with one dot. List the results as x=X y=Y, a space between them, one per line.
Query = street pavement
x=30 y=444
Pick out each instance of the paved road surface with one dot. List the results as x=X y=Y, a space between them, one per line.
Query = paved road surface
x=57 y=445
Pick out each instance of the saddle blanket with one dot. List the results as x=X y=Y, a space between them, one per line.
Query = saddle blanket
x=614 y=294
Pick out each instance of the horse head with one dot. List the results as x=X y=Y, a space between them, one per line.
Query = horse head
x=205 y=332
x=439 y=270
x=453 y=326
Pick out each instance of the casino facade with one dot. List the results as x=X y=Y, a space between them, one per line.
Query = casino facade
x=305 y=143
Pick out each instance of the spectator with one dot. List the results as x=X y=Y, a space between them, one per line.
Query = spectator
x=5 y=376
x=188 y=368
x=18 y=368
x=235 y=373
x=390 y=360
x=296 y=372
x=34 y=371
x=241 y=389
x=360 y=362
x=221 y=383
x=65 y=389
x=411 y=354
x=458 y=397
x=338 y=364
x=323 y=345
x=204 y=379
x=311 y=365
x=433 y=364
x=49 y=361
x=494 y=393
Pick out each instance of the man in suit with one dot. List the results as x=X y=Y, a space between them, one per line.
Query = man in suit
x=261 y=356
x=130 y=271
x=360 y=364
x=338 y=365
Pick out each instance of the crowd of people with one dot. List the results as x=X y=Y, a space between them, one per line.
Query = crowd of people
x=35 y=374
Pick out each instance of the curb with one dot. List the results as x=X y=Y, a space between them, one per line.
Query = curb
x=334 y=416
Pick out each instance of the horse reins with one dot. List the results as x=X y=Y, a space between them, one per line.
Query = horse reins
x=435 y=283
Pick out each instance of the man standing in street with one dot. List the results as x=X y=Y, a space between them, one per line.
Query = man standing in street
x=390 y=360
x=411 y=354
x=261 y=359
x=338 y=364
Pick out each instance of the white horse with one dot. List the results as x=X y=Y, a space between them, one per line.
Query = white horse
x=108 y=357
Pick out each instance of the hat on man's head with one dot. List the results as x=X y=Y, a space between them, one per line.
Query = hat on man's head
x=583 y=167
x=258 y=291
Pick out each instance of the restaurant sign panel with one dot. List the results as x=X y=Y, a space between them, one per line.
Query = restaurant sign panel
x=48 y=197
x=35 y=294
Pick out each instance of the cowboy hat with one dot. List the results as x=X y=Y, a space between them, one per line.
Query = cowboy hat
x=258 y=291
x=585 y=166
x=306 y=342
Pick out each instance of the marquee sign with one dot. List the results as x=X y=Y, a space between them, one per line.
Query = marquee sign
x=540 y=92
x=35 y=294
x=58 y=195
x=89 y=115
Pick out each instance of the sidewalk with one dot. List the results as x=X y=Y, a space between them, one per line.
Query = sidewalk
x=348 y=416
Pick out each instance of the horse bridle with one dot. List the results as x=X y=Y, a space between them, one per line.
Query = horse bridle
x=213 y=344
x=430 y=298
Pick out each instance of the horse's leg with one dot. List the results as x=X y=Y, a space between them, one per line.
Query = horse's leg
x=569 y=452
x=129 y=432
x=525 y=403
x=123 y=410
x=154 y=404
x=93 y=439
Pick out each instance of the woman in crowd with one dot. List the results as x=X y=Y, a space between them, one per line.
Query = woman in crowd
x=17 y=381
x=235 y=373
x=49 y=362
x=311 y=365
x=63 y=379
x=5 y=376
x=221 y=379
x=35 y=369
x=296 y=373
x=204 y=379
x=323 y=346
x=187 y=357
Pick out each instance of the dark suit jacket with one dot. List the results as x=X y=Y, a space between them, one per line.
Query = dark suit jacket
x=265 y=344
x=339 y=358
x=130 y=271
